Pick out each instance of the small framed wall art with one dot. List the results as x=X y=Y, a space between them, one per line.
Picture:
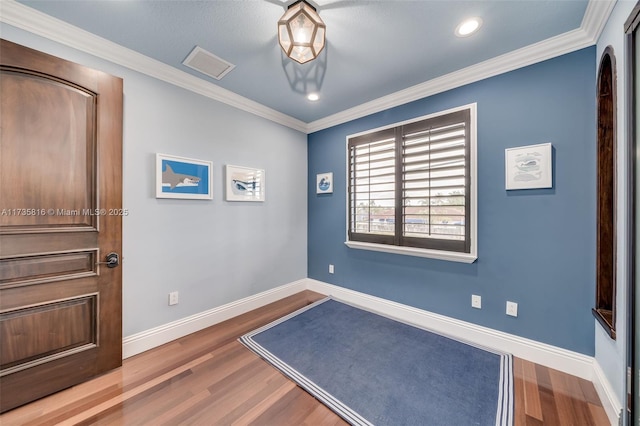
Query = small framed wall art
x=184 y=178
x=528 y=167
x=324 y=183
x=244 y=183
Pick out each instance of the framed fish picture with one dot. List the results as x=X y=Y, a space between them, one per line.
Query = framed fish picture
x=184 y=178
x=528 y=167
x=244 y=183
x=324 y=183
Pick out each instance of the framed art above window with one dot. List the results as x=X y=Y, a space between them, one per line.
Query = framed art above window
x=412 y=187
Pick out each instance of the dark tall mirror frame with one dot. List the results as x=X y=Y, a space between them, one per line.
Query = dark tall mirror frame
x=605 y=309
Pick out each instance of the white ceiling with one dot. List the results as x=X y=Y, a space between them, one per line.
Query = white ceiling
x=378 y=54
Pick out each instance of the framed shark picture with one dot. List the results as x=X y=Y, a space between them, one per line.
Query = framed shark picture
x=244 y=183
x=184 y=178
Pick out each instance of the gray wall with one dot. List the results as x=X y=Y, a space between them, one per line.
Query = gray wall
x=212 y=252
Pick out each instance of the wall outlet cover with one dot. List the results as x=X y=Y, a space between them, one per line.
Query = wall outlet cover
x=476 y=301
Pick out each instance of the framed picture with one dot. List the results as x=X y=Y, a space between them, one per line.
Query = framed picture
x=244 y=183
x=185 y=178
x=324 y=183
x=528 y=167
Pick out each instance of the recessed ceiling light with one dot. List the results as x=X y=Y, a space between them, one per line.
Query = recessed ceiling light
x=468 y=27
x=313 y=96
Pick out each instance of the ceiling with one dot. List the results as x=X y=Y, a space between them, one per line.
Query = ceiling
x=375 y=49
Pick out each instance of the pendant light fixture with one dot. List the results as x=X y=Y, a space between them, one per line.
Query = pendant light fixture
x=301 y=32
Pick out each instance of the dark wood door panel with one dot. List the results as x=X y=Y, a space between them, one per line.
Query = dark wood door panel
x=51 y=172
x=39 y=333
x=47 y=267
x=27 y=244
x=60 y=374
x=41 y=293
x=60 y=169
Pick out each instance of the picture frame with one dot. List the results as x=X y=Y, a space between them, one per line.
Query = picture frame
x=324 y=183
x=244 y=183
x=183 y=178
x=529 y=167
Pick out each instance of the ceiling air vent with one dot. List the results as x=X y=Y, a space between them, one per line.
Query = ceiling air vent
x=207 y=63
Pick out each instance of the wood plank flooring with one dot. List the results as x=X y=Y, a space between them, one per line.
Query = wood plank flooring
x=208 y=378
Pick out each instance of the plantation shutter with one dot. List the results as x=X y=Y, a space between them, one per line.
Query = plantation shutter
x=373 y=187
x=410 y=185
x=435 y=182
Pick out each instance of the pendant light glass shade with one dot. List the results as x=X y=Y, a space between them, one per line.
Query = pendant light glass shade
x=301 y=32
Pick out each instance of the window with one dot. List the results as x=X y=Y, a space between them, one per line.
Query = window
x=412 y=189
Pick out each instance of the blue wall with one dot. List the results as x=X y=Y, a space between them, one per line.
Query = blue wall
x=535 y=247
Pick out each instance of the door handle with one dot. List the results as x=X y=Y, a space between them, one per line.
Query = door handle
x=113 y=260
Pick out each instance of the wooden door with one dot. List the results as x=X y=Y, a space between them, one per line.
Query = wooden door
x=60 y=214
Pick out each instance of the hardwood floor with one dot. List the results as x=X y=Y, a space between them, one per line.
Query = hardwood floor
x=208 y=378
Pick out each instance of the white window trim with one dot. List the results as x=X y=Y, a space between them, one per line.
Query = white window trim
x=470 y=257
x=452 y=256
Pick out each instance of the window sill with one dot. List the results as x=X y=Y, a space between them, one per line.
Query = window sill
x=605 y=318
x=412 y=251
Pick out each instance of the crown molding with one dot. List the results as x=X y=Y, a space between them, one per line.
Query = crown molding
x=596 y=17
x=593 y=22
x=36 y=22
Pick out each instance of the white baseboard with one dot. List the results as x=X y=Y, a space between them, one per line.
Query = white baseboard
x=149 y=339
x=610 y=402
x=541 y=353
x=550 y=356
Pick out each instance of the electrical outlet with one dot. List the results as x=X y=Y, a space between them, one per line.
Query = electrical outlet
x=173 y=298
x=512 y=309
x=331 y=269
x=476 y=301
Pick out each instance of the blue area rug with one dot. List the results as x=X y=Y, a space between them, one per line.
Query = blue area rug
x=372 y=370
